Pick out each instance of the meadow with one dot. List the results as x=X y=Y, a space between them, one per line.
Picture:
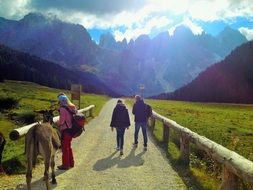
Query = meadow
x=230 y=125
x=30 y=97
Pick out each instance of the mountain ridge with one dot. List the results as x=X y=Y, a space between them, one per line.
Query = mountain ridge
x=228 y=81
x=163 y=63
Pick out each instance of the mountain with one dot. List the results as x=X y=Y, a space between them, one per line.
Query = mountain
x=161 y=64
x=230 y=80
x=176 y=60
x=107 y=41
x=226 y=36
x=49 y=38
x=15 y=65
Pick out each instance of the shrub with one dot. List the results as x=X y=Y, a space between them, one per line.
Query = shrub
x=23 y=117
x=16 y=165
x=8 y=103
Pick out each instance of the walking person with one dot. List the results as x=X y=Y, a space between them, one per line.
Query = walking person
x=120 y=120
x=65 y=124
x=140 y=119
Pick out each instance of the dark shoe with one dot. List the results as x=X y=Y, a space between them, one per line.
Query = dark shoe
x=135 y=145
x=145 y=148
x=62 y=167
x=121 y=152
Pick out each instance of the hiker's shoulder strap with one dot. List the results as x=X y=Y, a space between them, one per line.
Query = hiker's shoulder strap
x=68 y=109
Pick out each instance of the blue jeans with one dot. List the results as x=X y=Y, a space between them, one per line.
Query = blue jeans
x=143 y=126
x=120 y=137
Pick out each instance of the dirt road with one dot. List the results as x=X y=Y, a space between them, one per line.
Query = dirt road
x=99 y=166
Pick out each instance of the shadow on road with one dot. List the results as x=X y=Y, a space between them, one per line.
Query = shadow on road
x=132 y=160
x=40 y=183
x=106 y=163
x=120 y=162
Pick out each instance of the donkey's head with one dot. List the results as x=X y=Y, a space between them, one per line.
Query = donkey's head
x=48 y=115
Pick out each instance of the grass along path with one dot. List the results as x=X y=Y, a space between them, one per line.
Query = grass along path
x=31 y=97
x=230 y=125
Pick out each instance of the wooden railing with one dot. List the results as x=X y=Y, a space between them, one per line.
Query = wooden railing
x=20 y=132
x=234 y=165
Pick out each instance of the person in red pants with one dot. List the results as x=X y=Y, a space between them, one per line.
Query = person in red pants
x=65 y=124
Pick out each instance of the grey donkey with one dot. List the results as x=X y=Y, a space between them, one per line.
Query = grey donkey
x=42 y=139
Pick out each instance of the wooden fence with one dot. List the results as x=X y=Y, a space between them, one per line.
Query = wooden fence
x=20 y=132
x=234 y=166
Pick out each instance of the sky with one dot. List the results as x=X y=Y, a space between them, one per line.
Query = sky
x=131 y=18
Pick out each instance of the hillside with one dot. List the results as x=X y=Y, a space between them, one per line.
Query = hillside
x=15 y=65
x=230 y=80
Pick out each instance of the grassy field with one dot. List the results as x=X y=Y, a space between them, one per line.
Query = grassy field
x=30 y=97
x=227 y=124
x=230 y=125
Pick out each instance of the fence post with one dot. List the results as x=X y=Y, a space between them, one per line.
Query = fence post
x=152 y=123
x=166 y=134
x=184 y=149
x=229 y=180
x=91 y=112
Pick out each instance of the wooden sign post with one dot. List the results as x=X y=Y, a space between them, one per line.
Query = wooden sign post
x=76 y=90
x=142 y=87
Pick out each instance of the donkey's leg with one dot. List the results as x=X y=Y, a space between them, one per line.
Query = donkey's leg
x=47 y=158
x=29 y=172
x=53 y=169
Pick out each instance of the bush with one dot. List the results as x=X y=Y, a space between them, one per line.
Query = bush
x=16 y=165
x=24 y=117
x=8 y=103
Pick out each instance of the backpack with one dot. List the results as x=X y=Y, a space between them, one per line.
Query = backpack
x=148 y=111
x=78 y=121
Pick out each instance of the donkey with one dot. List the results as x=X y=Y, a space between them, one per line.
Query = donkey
x=2 y=144
x=42 y=139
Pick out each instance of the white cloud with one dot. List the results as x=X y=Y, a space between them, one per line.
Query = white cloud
x=225 y=10
x=153 y=14
x=172 y=6
x=248 y=33
x=142 y=28
x=208 y=10
x=135 y=16
x=14 y=9
x=195 y=28
x=124 y=18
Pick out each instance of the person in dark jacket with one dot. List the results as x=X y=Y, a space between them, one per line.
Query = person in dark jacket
x=140 y=119
x=120 y=121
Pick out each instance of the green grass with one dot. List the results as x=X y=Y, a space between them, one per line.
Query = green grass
x=31 y=97
x=230 y=125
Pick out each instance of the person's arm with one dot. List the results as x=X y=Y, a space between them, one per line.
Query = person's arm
x=127 y=119
x=113 y=119
x=134 y=109
x=63 y=116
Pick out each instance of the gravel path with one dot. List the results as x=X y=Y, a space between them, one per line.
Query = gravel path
x=99 y=166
